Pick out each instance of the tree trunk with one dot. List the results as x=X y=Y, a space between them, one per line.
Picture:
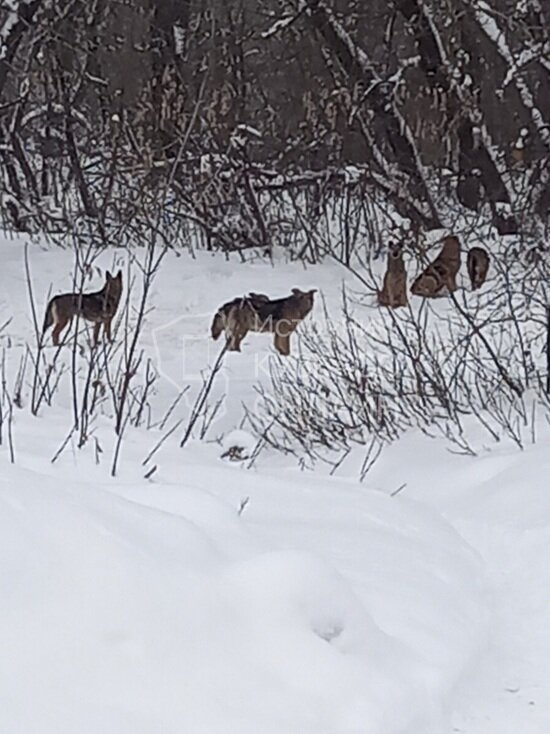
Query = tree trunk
x=478 y=176
x=11 y=38
x=394 y=142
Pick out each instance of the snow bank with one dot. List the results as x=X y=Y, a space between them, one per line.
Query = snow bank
x=120 y=617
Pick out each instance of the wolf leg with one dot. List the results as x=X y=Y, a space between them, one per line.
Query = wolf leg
x=107 y=330
x=234 y=340
x=231 y=341
x=282 y=344
x=60 y=323
x=383 y=298
x=401 y=296
x=451 y=283
x=239 y=336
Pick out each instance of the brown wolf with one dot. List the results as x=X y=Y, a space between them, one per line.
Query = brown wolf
x=394 y=290
x=257 y=312
x=439 y=277
x=99 y=308
x=478 y=265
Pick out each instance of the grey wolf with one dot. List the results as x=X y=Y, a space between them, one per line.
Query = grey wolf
x=394 y=289
x=257 y=312
x=439 y=277
x=99 y=308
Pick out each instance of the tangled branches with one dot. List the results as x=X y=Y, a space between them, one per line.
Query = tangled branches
x=469 y=368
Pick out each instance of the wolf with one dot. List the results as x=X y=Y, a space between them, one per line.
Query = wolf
x=99 y=308
x=439 y=277
x=257 y=312
x=478 y=265
x=394 y=290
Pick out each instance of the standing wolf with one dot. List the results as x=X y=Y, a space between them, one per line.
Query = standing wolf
x=99 y=308
x=257 y=312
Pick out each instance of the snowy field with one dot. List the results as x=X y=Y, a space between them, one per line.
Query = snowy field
x=219 y=599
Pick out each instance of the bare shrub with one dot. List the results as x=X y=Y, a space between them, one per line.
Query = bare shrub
x=470 y=368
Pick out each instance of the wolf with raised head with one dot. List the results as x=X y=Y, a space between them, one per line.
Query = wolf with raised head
x=257 y=312
x=439 y=278
x=394 y=289
x=99 y=308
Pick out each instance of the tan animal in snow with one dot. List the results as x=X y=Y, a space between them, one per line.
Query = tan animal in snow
x=99 y=308
x=394 y=289
x=439 y=278
x=257 y=312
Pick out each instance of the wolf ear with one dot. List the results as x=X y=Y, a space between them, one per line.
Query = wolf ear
x=119 y=275
x=313 y=291
x=108 y=275
x=297 y=292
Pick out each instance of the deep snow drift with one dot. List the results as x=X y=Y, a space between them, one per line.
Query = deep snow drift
x=121 y=617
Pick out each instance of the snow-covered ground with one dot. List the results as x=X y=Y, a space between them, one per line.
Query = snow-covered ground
x=222 y=599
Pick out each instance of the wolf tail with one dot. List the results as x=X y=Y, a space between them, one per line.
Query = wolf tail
x=217 y=325
x=48 y=318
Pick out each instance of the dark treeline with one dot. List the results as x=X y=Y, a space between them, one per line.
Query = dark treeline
x=104 y=103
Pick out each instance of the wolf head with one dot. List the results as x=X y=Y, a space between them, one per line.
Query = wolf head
x=115 y=280
x=300 y=302
x=113 y=286
x=304 y=296
x=395 y=251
